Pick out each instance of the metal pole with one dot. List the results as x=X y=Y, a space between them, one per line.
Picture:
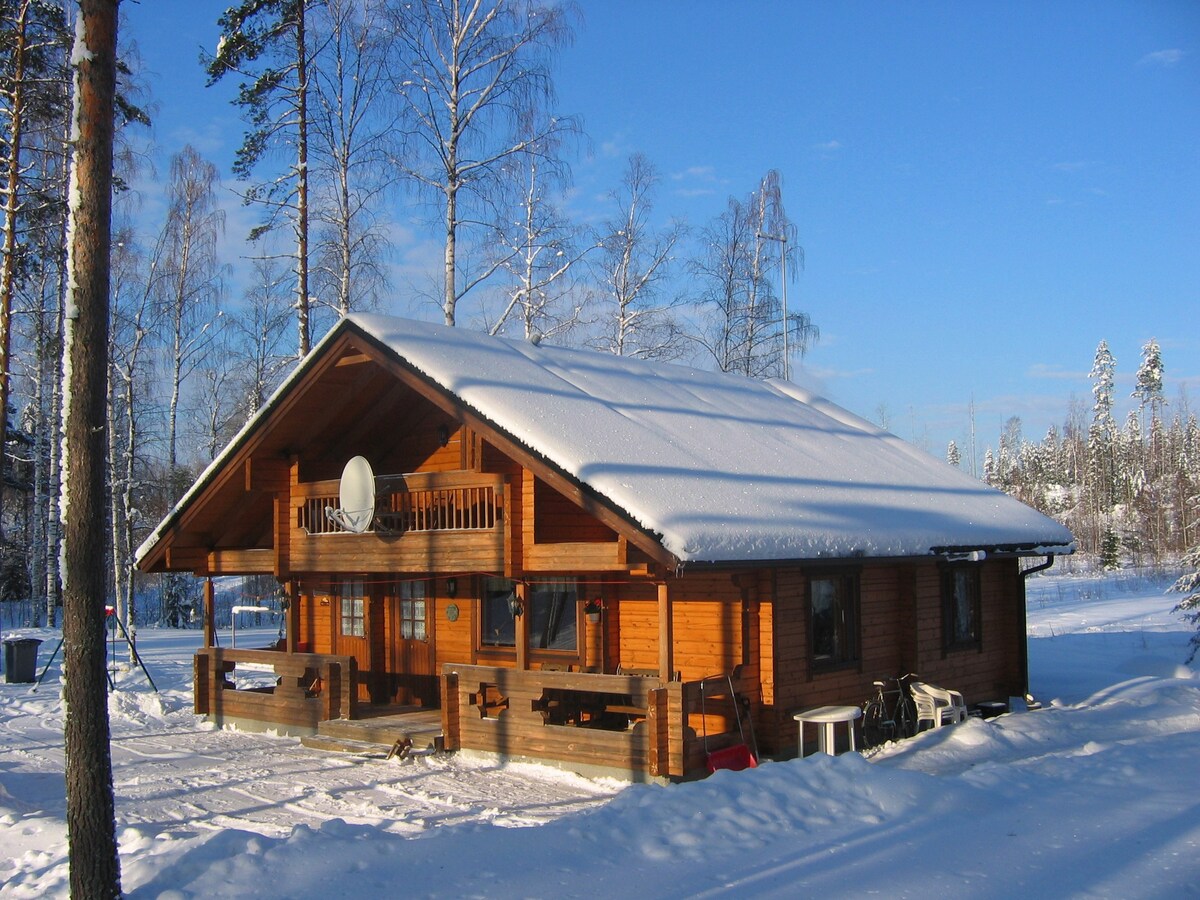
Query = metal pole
x=787 y=361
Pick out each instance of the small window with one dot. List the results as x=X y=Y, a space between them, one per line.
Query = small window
x=833 y=619
x=354 y=620
x=961 y=608
x=412 y=610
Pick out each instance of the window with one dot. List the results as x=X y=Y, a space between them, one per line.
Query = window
x=412 y=610
x=551 y=607
x=833 y=619
x=499 y=628
x=354 y=620
x=961 y=610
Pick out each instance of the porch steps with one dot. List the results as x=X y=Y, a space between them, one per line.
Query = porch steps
x=339 y=745
x=378 y=734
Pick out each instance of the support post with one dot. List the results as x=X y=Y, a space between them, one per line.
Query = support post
x=666 y=654
x=210 y=616
x=293 y=614
x=522 y=627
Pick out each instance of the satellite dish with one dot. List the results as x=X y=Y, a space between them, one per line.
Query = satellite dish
x=356 y=496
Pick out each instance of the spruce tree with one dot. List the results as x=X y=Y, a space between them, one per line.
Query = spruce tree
x=1189 y=606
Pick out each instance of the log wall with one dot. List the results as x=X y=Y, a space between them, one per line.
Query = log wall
x=901 y=632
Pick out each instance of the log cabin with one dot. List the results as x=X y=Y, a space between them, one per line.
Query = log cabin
x=565 y=549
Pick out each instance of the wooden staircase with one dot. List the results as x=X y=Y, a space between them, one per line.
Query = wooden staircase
x=378 y=734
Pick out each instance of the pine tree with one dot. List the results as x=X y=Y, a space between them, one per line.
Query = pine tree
x=1102 y=440
x=1110 y=550
x=91 y=829
x=952 y=455
x=265 y=42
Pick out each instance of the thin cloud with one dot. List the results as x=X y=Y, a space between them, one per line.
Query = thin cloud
x=1162 y=58
x=829 y=373
x=1075 y=165
x=1054 y=372
x=696 y=181
x=828 y=146
x=699 y=173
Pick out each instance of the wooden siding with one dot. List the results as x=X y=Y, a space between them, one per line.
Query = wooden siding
x=559 y=520
x=994 y=671
x=901 y=631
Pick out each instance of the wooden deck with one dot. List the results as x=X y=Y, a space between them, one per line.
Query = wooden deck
x=628 y=724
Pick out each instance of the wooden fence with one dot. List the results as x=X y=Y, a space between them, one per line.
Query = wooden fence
x=301 y=689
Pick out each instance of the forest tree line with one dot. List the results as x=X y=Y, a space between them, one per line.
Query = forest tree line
x=1130 y=492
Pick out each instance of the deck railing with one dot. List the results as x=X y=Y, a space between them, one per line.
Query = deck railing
x=293 y=691
x=419 y=502
x=629 y=723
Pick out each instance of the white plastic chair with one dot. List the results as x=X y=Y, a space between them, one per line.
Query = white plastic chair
x=936 y=705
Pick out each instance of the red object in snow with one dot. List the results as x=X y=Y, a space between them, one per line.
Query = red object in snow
x=734 y=758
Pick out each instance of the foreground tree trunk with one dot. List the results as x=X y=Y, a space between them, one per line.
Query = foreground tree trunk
x=91 y=828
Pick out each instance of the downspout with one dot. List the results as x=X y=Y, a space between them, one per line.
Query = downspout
x=1030 y=702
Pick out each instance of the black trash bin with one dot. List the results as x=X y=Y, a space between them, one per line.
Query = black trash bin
x=20 y=660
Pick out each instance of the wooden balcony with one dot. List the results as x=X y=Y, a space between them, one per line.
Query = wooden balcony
x=424 y=522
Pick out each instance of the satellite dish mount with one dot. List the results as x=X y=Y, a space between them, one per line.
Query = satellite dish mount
x=356 y=496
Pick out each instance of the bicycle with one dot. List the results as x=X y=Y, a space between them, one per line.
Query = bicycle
x=889 y=715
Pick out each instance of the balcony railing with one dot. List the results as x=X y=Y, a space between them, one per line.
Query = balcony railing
x=420 y=502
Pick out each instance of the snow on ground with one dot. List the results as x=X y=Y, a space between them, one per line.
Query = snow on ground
x=1093 y=795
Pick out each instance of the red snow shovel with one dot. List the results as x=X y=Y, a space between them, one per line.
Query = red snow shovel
x=737 y=756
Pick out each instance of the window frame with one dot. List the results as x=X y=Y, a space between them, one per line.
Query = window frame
x=953 y=639
x=495 y=591
x=849 y=602
x=354 y=592
x=411 y=595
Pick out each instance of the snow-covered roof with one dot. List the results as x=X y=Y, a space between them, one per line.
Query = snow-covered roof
x=722 y=467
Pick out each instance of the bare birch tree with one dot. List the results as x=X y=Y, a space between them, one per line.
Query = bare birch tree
x=91 y=828
x=466 y=71
x=134 y=324
x=536 y=247
x=191 y=283
x=633 y=262
x=348 y=144
x=255 y=336
x=741 y=252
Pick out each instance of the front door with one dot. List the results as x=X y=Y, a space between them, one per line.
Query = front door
x=412 y=656
x=352 y=630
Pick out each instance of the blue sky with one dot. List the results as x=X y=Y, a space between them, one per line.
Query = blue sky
x=983 y=191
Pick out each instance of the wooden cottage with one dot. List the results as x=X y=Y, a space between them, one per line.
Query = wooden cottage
x=565 y=547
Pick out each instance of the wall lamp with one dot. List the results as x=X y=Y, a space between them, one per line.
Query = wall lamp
x=451 y=587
